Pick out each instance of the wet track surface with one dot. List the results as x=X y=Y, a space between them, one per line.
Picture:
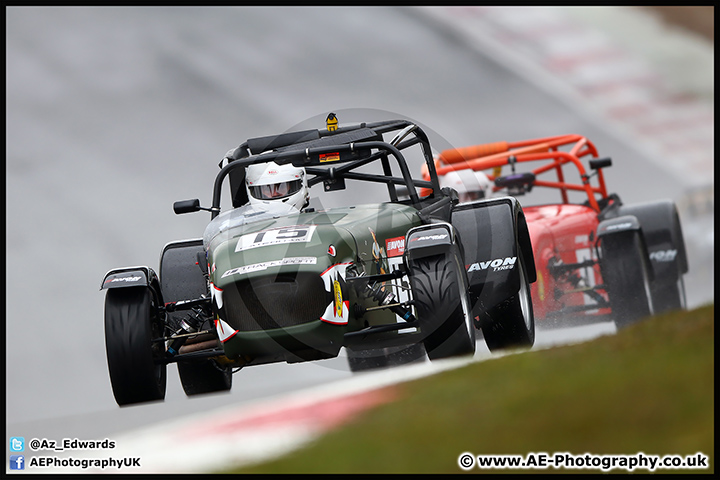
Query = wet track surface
x=114 y=114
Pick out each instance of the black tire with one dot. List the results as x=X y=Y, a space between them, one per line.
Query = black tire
x=130 y=325
x=662 y=233
x=511 y=324
x=204 y=377
x=363 y=360
x=625 y=268
x=182 y=279
x=439 y=287
x=669 y=297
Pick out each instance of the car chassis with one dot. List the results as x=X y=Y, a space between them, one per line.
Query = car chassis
x=196 y=312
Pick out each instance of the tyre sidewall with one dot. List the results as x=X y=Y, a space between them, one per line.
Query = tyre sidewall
x=625 y=269
x=130 y=326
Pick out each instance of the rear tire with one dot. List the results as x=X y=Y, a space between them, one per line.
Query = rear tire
x=511 y=324
x=363 y=360
x=663 y=235
x=440 y=293
x=625 y=268
x=204 y=377
x=669 y=297
x=130 y=325
x=182 y=279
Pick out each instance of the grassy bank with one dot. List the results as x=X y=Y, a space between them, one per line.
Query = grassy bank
x=648 y=389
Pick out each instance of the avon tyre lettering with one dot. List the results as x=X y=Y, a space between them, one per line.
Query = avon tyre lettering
x=663 y=255
x=497 y=265
x=395 y=246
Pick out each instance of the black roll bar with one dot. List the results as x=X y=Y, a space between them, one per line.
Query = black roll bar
x=304 y=156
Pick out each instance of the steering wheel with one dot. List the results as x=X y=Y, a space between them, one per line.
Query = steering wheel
x=516 y=183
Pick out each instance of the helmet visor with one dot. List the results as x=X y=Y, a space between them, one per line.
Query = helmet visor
x=274 y=191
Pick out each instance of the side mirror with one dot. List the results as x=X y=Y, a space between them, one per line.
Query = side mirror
x=597 y=163
x=186 y=206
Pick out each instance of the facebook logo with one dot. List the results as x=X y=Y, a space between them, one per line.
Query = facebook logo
x=17 y=444
x=17 y=462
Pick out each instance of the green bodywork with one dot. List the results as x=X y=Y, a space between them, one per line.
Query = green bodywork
x=355 y=235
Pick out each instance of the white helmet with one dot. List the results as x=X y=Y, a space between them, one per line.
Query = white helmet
x=470 y=185
x=272 y=183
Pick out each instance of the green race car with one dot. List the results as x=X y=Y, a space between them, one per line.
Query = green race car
x=383 y=276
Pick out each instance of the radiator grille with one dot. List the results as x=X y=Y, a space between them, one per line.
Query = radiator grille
x=275 y=301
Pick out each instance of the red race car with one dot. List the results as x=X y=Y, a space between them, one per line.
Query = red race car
x=595 y=258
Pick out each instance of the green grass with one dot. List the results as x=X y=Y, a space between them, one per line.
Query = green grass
x=649 y=389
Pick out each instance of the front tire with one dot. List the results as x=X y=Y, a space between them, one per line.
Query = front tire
x=625 y=269
x=669 y=297
x=440 y=293
x=130 y=326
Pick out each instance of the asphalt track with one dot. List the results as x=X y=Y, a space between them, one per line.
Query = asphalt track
x=113 y=114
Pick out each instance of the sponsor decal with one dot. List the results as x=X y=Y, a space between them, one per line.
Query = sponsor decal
x=332 y=251
x=338 y=311
x=438 y=236
x=395 y=246
x=619 y=226
x=337 y=295
x=496 y=265
x=379 y=255
x=273 y=263
x=124 y=279
x=663 y=255
x=329 y=157
x=276 y=236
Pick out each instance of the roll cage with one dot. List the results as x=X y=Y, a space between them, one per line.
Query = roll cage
x=331 y=157
x=493 y=156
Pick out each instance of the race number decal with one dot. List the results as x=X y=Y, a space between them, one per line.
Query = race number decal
x=276 y=236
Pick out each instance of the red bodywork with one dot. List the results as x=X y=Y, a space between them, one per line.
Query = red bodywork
x=562 y=234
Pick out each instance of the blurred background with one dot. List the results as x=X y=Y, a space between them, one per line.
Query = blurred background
x=114 y=113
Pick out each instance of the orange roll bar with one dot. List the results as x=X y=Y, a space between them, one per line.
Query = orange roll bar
x=494 y=155
x=462 y=154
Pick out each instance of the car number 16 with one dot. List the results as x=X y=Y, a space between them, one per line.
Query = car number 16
x=276 y=236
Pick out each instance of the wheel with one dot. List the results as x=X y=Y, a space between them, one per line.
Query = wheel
x=440 y=293
x=130 y=326
x=669 y=297
x=625 y=269
x=204 y=377
x=182 y=279
x=363 y=360
x=663 y=236
x=511 y=324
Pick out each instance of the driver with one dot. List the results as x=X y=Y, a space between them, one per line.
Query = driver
x=470 y=185
x=270 y=183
